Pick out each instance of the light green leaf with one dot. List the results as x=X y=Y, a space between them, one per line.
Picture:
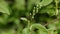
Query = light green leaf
x=42 y=29
x=4 y=7
x=26 y=31
x=30 y=30
x=45 y=2
x=52 y=26
x=52 y=31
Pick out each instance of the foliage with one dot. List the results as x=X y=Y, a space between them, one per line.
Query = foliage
x=29 y=16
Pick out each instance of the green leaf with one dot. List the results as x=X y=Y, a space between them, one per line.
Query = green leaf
x=45 y=2
x=58 y=25
x=51 y=12
x=50 y=6
x=59 y=1
x=4 y=19
x=30 y=30
x=4 y=7
x=41 y=29
x=52 y=31
x=56 y=32
x=11 y=31
x=17 y=21
x=52 y=26
x=32 y=3
x=19 y=5
x=26 y=31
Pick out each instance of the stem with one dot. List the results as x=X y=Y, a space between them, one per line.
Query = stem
x=33 y=13
x=37 y=9
x=25 y=19
x=56 y=1
x=29 y=24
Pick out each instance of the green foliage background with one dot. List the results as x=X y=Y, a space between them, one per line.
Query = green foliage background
x=29 y=16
